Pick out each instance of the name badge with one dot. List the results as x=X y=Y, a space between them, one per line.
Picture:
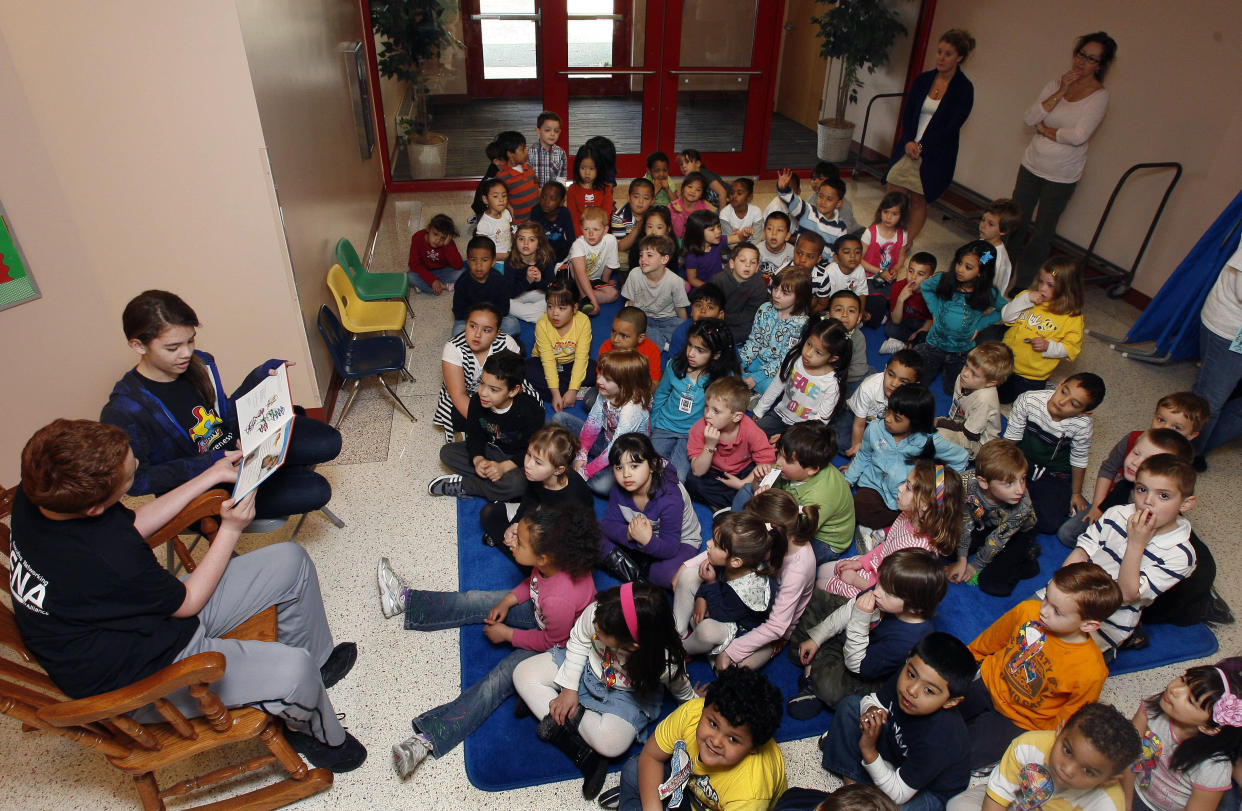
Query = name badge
x=686 y=404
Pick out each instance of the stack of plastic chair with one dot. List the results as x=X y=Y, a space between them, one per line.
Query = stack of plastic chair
x=360 y=316
x=362 y=358
x=372 y=286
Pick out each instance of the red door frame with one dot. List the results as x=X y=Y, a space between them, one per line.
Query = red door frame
x=476 y=85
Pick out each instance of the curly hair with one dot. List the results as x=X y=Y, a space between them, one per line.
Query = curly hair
x=1110 y=732
x=70 y=466
x=940 y=520
x=746 y=698
x=568 y=535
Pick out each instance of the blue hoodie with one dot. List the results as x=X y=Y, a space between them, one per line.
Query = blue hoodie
x=881 y=462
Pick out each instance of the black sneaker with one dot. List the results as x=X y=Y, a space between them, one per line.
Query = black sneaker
x=339 y=663
x=446 y=485
x=1200 y=464
x=610 y=798
x=804 y=706
x=336 y=759
x=1217 y=611
x=1136 y=641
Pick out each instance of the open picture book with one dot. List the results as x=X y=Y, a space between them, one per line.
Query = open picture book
x=265 y=419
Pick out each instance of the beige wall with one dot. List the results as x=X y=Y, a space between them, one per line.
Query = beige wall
x=889 y=79
x=1176 y=95
x=326 y=190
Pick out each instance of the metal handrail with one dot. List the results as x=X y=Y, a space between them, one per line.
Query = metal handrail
x=862 y=137
x=1118 y=290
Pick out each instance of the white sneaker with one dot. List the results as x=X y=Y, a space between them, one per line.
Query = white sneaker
x=892 y=345
x=391 y=590
x=409 y=753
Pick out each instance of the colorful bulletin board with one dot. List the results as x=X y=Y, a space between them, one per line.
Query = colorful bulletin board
x=16 y=284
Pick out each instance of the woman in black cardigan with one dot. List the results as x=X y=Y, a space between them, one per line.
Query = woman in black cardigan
x=935 y=109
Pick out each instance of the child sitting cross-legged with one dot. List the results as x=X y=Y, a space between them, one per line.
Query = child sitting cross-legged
x=656 y=291
x=557 y=222
x=717 y=749
x=907 y=737
x=560 y=544
x=627 y=221
x=593 y=258
x=741 y=219
x=974 y=416
x=434 y=263
x=482 y=282
x=561 y=362
x=499 y=424
x=725 y=445
x=1037 y=663
x=997 y=542
x=1080 y=765
x=596 y=694
x=811 y=385
x=869 y=402
x=532 y=267
x=461 y=364
x=883 y=624
x=777 y=327
x=735 y=584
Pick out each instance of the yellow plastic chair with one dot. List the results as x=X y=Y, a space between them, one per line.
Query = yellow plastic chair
x=360 y=316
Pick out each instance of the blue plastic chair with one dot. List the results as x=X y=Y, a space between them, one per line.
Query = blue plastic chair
x=362 y=357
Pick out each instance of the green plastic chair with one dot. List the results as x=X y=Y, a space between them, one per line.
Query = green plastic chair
x=372 y=286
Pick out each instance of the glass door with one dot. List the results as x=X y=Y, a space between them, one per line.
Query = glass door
x=502 y=48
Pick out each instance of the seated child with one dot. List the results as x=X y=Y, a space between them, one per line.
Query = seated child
x=886 y=248
x=997 y=545
x=629 y=331
x=930 y=519
x=777 y=326
x=434 y=262
x=484 y=283
x=706 y=301
x=869 y=401
x=657 y=222
x=724 y=445
x=496 y=221
x=561 y=363
x=679 y=399
x=777 y=206
x=1045 y=326
x=650 y=527
x=883 y=624
x=594 y=696
x=962 y=302
x=741 y=219
x=531 y=267
x=499 y=424
x=1195 y=733
x=908 y=316
x=547 y=159
x=550 y=482
x=775 y=252
x=717 y=749
x=811 y=385
x=912 y=740
x=462 y=362
x=887 y=452
x=560 y=545
x=591 y=187
x=1079 y=765
x=824 y=218
x=1151 y=530
x=850 y=797
x=714 y=190
x=623 y=380
x=807 y=249
x=495 y=160
x=825 y=170
x=999 y=220
x=735 y=584
x=974 y=416
x=688 y=201
x=744 y=290
x=557 y=222
x=845 y=272
x=656 y=291
x=1053 y=428
x=1037 y=663
x=846 y=307
x=517 y=175
x=657 y=173
x=592 y=261
x=703 y=240
x=626 y=223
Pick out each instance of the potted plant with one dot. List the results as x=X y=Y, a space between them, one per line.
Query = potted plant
x=413 y=35
x=855 y=34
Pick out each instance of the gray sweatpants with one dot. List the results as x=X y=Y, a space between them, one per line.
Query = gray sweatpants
x=280 y=677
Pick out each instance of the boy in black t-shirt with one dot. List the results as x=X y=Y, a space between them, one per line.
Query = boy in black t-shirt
x=99 y=613
x=500 y=421
x=913 y=740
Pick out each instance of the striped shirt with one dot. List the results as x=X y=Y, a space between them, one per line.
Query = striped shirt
x=1048 y=443
x=523 y=190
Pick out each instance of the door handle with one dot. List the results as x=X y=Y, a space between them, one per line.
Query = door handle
x=499 y=16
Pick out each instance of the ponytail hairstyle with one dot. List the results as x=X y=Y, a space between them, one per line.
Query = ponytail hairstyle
x=567 y=534
x=1208 y=684
x=659 y=649
x=715 y=335
x=937 y=494
x=981 y=297
x=696 y=230
x=631 y=371
x=894 y=199
x=149 y=314
x=557 y=444
x=1067 y=290
x=780 y=509
x=832 y=334
x=759 y=544
x=545 y=256
x=637 y=447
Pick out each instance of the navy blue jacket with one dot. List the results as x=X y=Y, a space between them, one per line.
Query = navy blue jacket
x=723 y=604
x=940 y=139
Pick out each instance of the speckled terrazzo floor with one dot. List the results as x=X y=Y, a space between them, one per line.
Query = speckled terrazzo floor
x=379 y=484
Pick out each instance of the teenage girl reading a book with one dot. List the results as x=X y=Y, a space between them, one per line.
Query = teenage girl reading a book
x=179 y=420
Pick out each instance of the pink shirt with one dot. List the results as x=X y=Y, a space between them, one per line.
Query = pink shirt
x=750 y=445
x=900 y=536
x=797 y=582
x=559 y=600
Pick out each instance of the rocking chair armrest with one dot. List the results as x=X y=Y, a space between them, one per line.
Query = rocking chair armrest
x=204 y=506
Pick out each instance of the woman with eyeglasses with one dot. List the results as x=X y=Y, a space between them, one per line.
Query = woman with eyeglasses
x=1064 y=116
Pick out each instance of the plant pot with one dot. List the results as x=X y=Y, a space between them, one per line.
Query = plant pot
x=428 y=155
x=834 y=140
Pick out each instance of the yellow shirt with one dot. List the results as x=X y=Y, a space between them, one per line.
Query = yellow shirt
x=753 y=784
x=1039 y=322
x=1023 y=777
x=555 y=349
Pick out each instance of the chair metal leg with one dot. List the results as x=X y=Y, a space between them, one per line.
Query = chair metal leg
x=409 y=308
x=409 y=342
x=331 y=516
x=348 y=403
x=394 y=396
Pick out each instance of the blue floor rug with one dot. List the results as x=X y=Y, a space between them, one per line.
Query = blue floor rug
x=491 y=764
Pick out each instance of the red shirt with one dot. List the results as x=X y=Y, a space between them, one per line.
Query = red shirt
x=523 y=190
x=750 y=445
x=915 y=306
x=579 y=198
x=648 y=350
x=424 y=258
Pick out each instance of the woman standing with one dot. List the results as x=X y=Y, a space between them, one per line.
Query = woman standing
x=1064 y=116
x=179 y=421
x=938 y=104
x=1220 y=358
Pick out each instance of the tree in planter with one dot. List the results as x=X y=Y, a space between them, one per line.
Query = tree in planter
x=413 y=35
x=857 y=34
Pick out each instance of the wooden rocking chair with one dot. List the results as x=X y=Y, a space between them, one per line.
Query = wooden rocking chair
x=102 y=722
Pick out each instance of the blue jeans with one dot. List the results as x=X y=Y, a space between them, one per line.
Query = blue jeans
x=601 y=483
x=296 y=488
x=449 y=724
x=446 y=276
x=660 y=330
x=1074 y=526
x=843 y=757
x=508 y=325
x=672 y=446
x=744 y=494
x=631 y=800
x=1218 y=377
